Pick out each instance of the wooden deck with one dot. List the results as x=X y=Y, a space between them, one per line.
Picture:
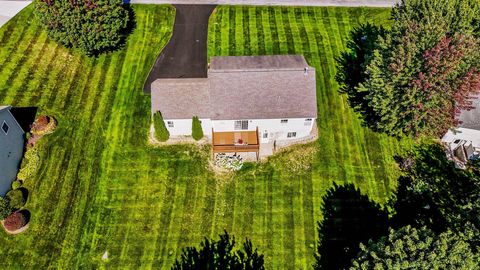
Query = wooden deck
x=235 y=142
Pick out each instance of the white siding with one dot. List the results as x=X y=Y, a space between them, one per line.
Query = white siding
x=275 y=129
x=183 y=127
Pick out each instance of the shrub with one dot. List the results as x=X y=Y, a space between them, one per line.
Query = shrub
x=197 y=131
x=5 y=208
x=16 y=184
x=43 y=125
x=15 y=221
x=161 y=131
x=29 y=164
x=92 y=26
x=16 y=198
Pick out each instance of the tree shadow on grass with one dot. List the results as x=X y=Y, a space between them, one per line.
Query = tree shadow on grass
x=350 y=218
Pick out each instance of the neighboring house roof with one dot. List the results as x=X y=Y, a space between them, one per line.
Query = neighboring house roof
x=181 y=98
x=466 y=134
x=242 y=87
x=471 y=119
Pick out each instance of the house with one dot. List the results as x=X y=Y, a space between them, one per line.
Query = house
x=463 y=143
x=244 y=102
x=11 y=148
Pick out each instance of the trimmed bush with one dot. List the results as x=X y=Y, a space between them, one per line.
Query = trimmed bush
x=5 y=208
x=16 y=198
x=16 y=184
x=92 y=26
x=161 y=131
x=29 y=164
x=15 y=221
x=197 y=131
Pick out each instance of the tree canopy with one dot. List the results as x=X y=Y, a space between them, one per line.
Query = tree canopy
x=5 y=208
x=410 y=248
x=94 y=26
x=415 y=77
x=435 y=194
x=220 y=254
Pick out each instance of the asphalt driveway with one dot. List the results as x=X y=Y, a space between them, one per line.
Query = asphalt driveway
x=185 y=55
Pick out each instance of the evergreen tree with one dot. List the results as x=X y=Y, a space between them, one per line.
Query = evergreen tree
x=197 y=131
x=94 y=26
x=352 y=66
x=161 y=131
x=221 y=254
x=410 y=248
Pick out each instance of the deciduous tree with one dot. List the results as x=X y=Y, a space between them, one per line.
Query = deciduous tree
x=410 y=248
x=419 y=74
x=435 y=194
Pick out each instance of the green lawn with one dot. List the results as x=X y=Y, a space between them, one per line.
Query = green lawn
x=101 y=187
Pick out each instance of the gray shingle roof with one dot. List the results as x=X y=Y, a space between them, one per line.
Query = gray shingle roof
x=181 y=98
x=257 y=63
x=471 y=119
x=245 y=87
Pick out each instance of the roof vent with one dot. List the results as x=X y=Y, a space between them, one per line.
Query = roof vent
x=305 y=71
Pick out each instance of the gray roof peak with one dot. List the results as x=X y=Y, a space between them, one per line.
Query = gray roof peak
x=257 y=63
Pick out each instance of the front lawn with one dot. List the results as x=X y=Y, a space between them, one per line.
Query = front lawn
x=101 y=188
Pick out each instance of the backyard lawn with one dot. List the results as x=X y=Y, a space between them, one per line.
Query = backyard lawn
x=102 y=190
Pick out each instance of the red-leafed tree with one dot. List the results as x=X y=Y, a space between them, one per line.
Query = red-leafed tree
x=15 y=221
x=445 y=84
x=421 y=72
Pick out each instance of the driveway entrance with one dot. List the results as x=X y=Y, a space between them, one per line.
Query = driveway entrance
x=185 y=55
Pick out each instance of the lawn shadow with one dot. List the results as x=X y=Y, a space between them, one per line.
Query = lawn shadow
x=25 y=116
x=350 y=218
x=132 y=22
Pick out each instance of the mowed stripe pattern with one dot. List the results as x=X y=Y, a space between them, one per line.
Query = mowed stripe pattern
x=280 y=209
x=101 y=189
x=84 y=94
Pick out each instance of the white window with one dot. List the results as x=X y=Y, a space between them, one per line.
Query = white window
x=283 y=121
x=170 y=124
x=308 y=122
x=5 y=127
x=241 y=125
x=291 y=134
